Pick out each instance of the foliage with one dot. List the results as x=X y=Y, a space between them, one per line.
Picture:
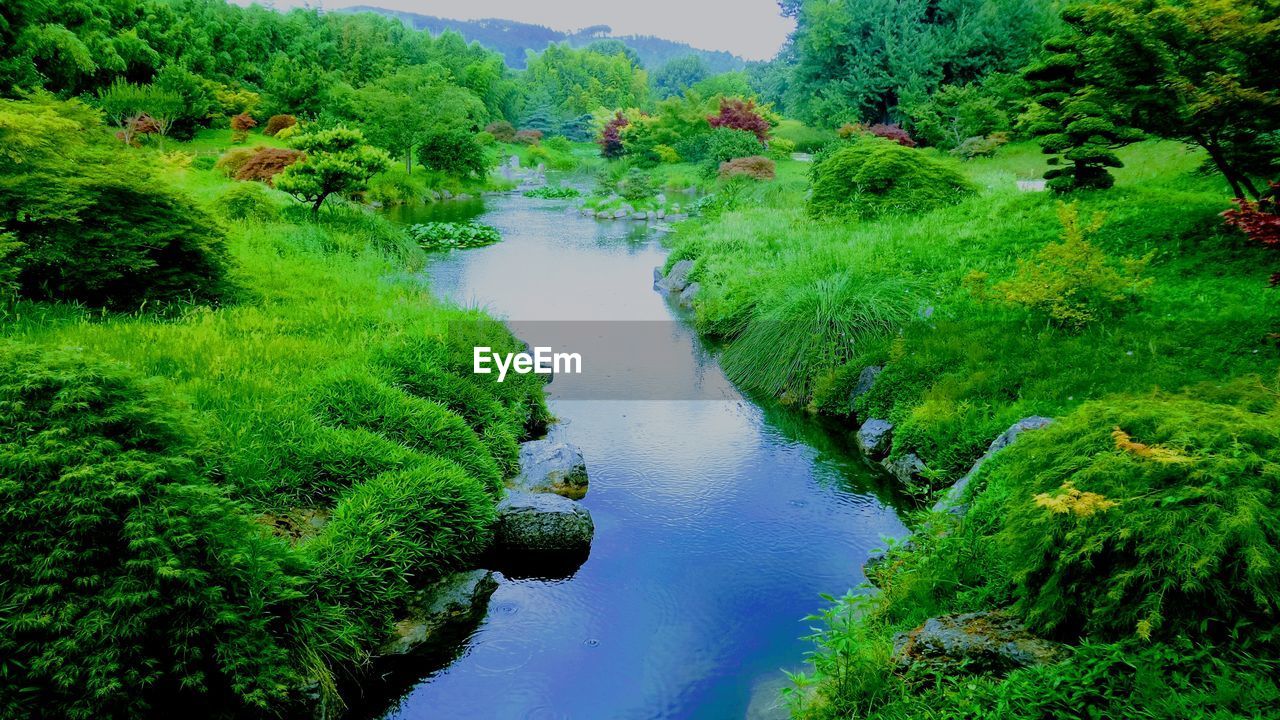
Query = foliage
x=956 y=112
x=398 y=530
x=230 y=162
x=1074 y=123
x=1161 y=467
x=551 y=192
x=1260 y=220
x=337 y=161
x=1074 y=283
x=678 y=75
x=636 y=185
x=242 y=124
x=445 y=235
x=138 y=110
x=806 y=139
x=874 y=176
x=1190 y=71
x=738 y=114
x=455 y=153
x=857 y=61
x=528 y=137
x=501 y=130
x=266 y=163
x=573 y=82
x=276 y=123
x=244 y=201
x=892 y=132
x=610 y=140
x=725 y=144
x=984 y=147
x=133 y=586
x=754 y=167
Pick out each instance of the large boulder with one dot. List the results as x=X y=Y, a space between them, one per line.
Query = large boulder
x=550 y=466
x=974 y=642
x=678 y=279
x=437 y=612
x=542 y=523
x=689 y=294
x=874 y=437
x=952 y=500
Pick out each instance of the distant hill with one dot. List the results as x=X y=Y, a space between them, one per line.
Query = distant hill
x=512 y=39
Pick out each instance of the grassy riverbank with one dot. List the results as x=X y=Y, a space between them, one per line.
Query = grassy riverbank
x=1183 y=362
x=299 y=456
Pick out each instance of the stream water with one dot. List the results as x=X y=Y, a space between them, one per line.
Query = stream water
x=719 y=519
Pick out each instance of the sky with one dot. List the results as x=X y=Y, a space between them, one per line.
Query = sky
x=752 y=29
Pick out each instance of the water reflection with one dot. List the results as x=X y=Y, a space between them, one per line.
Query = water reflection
x=718 y=523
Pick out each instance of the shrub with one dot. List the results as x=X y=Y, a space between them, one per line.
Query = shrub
x=849 y=131
x=454 y=152
x=287 y=132
x=755 y=167
x=1073 y=282
x=666 y=154
x=550 y=192
x=637 y=185
x=528 y=137
x=446 y=235
x=559 y=144
x=485 y=139
x=724 y=144
x=266 y=163
x=806 y=139
x=358 y=400
x=241 y=125
x=230 y=162
x=610 y=140
x=892 y=132
x=979 y=146
x=244 y=201
x=399 y=530
x=276 y=123
x=738 y=114
x=338 y=161
x=872 y=176
x=502 y=131
x=133 y=587
x=781 y=148
x=1143 y=516
x=1260 y=220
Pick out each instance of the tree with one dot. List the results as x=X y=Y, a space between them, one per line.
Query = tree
x=453 y=151
x=338 y=161
x=738 y=114
x=125 y=105
x=610 y=139
x=1200 y=71
x=678 y=75
x=1074 y=121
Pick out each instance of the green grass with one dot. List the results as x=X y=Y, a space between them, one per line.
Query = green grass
x=332 y=383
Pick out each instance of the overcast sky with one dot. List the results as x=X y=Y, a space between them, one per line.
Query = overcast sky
x=750 y=28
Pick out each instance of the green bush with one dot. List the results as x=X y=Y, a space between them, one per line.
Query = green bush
x=1143 y=516
x=805 y=138
x=359 y=400
x=725 y=144
x=244 y=201
x=132 y=586
x=454 y=152
x=872 y=176
x=445 y=235
x=551 y=192
x=398 y=531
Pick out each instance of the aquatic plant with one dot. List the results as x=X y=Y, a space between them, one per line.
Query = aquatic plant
x=445 y=235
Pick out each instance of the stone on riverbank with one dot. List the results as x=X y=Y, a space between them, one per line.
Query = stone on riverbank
x=951 y=500
x=542 y=523
x=455 y=600
x=550 y=466
x=875 y=437
x=678 y=279
x=974 y=642
x=866 y=379
x=909 y=469
x=689 y=294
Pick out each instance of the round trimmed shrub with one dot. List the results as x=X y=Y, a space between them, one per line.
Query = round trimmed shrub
x=872 y=176
x=724 y=144
x=276 y=123
x=230 y=162
x=1148 y=515
x=266 y=163
x=131 y=586
x=755 y=167
x=244 y=201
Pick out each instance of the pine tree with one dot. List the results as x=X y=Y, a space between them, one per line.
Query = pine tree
x=1081 y=130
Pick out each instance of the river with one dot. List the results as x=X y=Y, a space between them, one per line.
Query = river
x=719 y=519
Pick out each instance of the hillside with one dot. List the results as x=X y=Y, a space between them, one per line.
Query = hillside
x=513 y=39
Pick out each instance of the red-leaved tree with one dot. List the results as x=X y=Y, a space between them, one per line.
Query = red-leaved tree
x=610 y=140
x=892 y=132
x=738 y=114
x=266 y=163
x=1259 y=220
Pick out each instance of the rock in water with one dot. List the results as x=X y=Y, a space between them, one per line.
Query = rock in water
x=678 y=279
x=551 y=466
x=875 y=436
x=689 y=294
x=542 y=523
x=974 y=642
x=909 y=468
x=455 y=600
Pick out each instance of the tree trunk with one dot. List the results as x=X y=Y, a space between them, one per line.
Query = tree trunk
x=1234 y=179
x=315 y=207
x=408 y=161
